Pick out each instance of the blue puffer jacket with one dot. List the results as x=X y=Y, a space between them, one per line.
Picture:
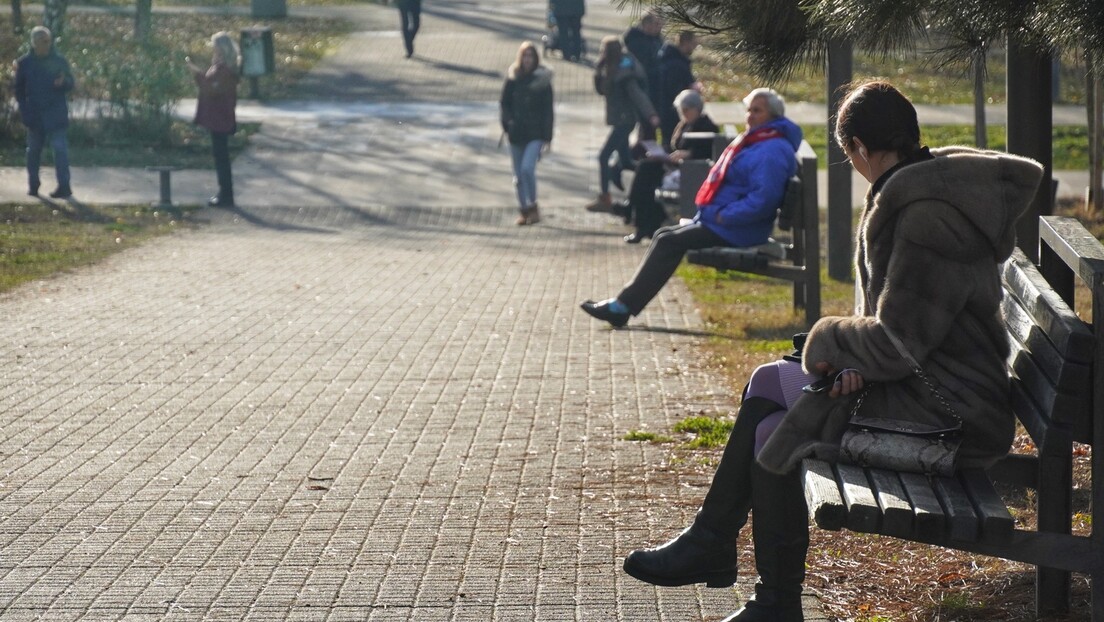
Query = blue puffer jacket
x=753 y=187
x=41 y=99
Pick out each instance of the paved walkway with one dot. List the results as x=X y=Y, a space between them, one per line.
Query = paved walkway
x=365 y=394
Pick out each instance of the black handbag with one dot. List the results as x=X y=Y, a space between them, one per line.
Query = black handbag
x=903 y=445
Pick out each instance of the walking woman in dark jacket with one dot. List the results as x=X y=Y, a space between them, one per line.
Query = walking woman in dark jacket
x=526 y=111
x=215 y=109
x=619 y=78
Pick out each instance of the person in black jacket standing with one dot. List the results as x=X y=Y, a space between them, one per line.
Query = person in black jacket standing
x=675 y=76
x=569 y=21
x=644 y=41
x=527 y=117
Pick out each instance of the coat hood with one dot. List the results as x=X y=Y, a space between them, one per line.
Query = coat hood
x=790 y=130
x=968 y=202
x=541 y=75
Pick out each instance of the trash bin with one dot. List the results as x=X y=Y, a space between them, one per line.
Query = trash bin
x=268 y=8
x=257 y=51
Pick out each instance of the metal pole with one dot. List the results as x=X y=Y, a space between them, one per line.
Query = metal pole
x=1030 y=123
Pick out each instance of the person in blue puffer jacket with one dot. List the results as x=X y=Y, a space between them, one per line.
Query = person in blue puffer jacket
x=737 y=204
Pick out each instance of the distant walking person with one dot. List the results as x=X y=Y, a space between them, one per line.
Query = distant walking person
x=526 y=106
x=218 y=97
x=620 y=79
x=42 y=81
x=675 y=76
x=569 y=22
x=410 y=12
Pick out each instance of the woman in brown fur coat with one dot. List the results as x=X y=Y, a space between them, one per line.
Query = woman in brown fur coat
x=935 y=228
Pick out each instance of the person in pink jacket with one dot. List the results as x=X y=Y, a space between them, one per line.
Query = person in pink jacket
x=218 y=97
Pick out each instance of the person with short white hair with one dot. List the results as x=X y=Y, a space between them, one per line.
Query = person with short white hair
x=42 y=82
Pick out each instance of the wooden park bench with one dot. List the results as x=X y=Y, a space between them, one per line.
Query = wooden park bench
x=1057 y=375
x=796 y=259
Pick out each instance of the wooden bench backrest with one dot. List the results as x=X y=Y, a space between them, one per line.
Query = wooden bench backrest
x=1050 y=362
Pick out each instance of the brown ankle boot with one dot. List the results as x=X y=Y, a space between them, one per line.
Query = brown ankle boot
x=523 y=218
x=601 y=204
x=534 y=215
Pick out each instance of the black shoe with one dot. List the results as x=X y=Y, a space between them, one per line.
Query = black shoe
x=635 y=238
x=601 y=311
x=692 y=557
x=218 y=201
x=33 y=190
x=62 y=192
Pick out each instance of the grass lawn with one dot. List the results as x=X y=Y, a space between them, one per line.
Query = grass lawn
x=40 y=239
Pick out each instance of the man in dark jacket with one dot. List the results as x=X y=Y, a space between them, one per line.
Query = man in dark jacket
x=569 y=21
x=675 y=76
x=644 y=41
x=42 y=80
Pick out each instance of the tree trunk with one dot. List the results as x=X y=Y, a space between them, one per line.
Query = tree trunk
x=17 y=16
x=1095 y=200
x=840 y=223
x=1030 y=127
x=143 y=19
x=54 y=16
x=981 y=135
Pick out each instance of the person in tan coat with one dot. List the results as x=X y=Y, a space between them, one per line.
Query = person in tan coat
x=934 y=230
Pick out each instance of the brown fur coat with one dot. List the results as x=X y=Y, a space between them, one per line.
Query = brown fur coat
x=929 y=250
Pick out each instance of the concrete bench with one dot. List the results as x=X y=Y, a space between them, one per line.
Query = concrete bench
x=1056 y=372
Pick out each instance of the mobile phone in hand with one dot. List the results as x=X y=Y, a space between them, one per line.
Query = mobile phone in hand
x=820 y=386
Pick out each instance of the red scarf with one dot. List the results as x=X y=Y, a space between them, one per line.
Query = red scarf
x=715 y=179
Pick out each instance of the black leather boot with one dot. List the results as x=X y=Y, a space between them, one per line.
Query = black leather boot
x=780 y=530
x=706 y=551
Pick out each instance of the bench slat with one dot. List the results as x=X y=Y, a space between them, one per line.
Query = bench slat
x=1029 y=340
x=1035 y=421
x=996 y=523
x=962 y=522
x=1062 y=326
x=1066 y=407
x=928 y=516
x=822 y=495
x=893 y=501
x=863 y=514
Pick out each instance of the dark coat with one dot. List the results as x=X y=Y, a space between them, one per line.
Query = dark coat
x=42 y=102
x=700 y=149
x=409 y=5
x=626 y=100
x=929 y=250
x=675 y=76
x=568 y=8
x=218 y=97
x=645 y=48
x=526 y=106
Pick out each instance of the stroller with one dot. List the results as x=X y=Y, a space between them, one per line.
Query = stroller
x=551 y=39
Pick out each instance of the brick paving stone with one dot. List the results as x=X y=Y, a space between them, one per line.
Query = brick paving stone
x=364 y=395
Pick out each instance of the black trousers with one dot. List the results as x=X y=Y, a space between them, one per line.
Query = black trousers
x=648 y=212
x=668 y=248
x=220 y=148
x=411 y=22
x=571 y=35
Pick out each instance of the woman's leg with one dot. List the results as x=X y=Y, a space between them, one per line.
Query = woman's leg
x=649 y=214
x=517 y=152
x=220 y=148
x=528 y=172
x=706 y=551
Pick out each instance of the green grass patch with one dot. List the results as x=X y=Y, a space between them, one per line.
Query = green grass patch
x=38 y=240
x=1071 y=143
x=643 y=436
x=916 y=73
x=708 y=432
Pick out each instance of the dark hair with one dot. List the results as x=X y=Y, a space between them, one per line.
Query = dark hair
x=881 y=117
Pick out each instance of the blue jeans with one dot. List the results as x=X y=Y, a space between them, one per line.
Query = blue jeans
x=36 y=140
x=525 y=159
x=618 y=141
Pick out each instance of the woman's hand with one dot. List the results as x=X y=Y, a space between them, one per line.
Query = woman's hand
x=847 y=380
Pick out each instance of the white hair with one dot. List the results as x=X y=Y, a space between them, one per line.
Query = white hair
x=39 y=31
x=689 y=99
x=226 y=47
x=775 y=104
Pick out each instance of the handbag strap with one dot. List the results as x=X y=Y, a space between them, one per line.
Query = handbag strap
x=919 y=371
